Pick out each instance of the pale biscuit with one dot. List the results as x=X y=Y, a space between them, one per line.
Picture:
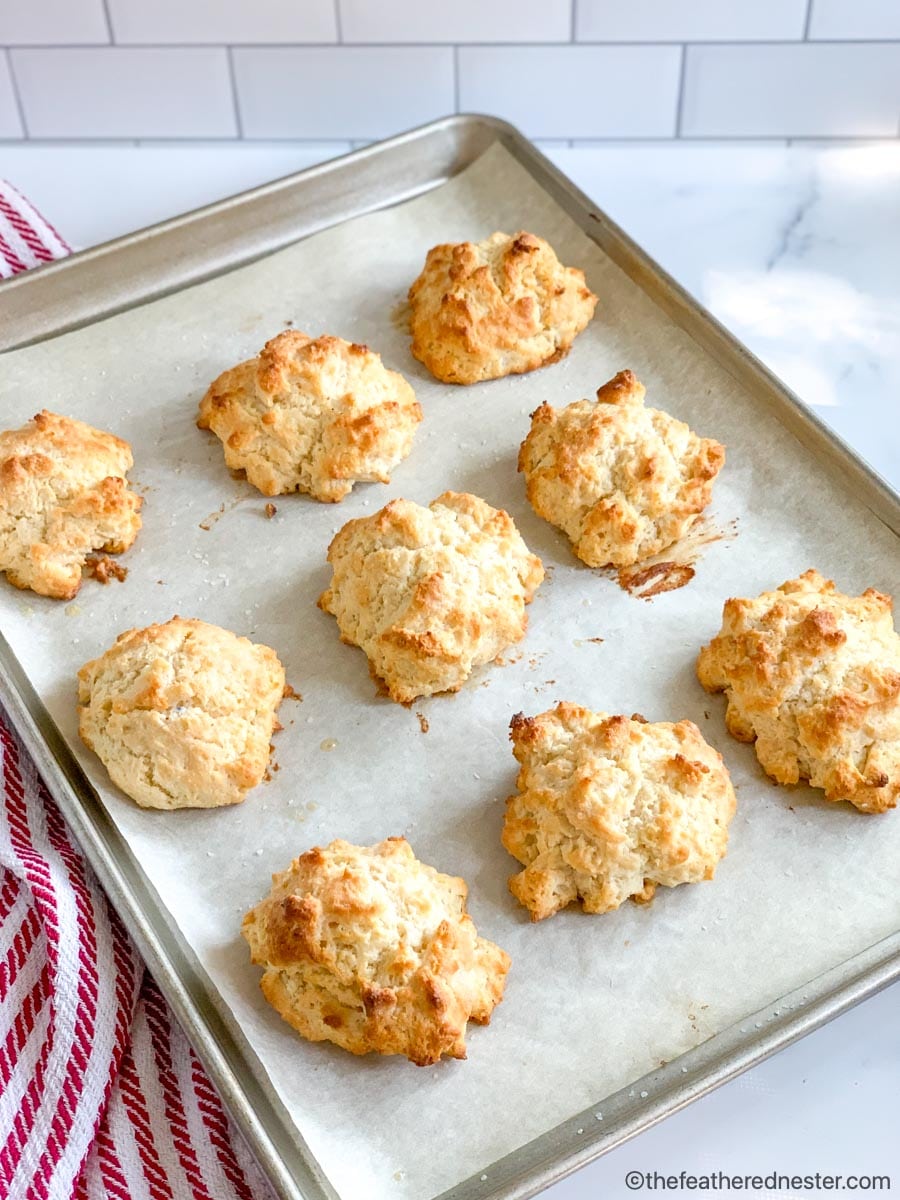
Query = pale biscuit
x=813 y=676
x=431 y=593
x=312 y=415
x=181 y=714
x=371 y=949
x=63 y=494
x=622 y=481
x=611 y=807
x=498 y=307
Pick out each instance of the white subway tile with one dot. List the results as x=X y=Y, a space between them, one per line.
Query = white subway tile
x=688 y=20
x=349 y=92
x=125 y=92
x=574 y=91
x=803 y=90
x=53 y=22
x=459 y=21
x=125 y=191
x=10 y=124
x=228 y=21
x=855 y=19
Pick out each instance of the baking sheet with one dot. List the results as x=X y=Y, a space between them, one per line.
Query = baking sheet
x=591 y=1003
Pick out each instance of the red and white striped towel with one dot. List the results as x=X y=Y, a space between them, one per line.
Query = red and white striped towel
x=26 y=239
x=101 y=1096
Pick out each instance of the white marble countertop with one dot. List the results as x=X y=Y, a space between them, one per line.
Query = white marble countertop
x=797 y=250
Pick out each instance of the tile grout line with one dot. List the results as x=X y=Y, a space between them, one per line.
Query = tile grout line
x=808 y=21
x=109 y=24
x=679 y=107
x=181 y=140
x=577 y=143
x=697 y=140
x=17 y=95
x=443 y=45
x=338 y=23
x=235 y=100
x=456 y=78
x=572 y=22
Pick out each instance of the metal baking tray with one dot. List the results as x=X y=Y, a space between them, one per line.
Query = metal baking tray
x=200 y=245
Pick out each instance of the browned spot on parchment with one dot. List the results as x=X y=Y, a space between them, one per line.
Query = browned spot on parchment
x=675 y=566
x=208 y=522
x=647 y=582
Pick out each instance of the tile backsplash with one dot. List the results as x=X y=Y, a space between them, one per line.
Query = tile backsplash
x=353 y=70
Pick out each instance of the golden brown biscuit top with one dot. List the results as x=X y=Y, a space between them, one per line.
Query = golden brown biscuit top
x=372 y=949
x=609 y=807
x=67 y=448
x=429 y=593
x=182 y=713
x=185 y=661
x=63 y=493
x=624 y=481
x=364 y=912
x=814 y=676
x=326 y=364
x=312 y=414
x=497 y=307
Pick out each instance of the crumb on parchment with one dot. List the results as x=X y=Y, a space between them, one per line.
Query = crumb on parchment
x=103 y=568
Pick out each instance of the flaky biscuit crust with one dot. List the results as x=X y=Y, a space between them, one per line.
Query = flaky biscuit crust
x=373 y=950
x=610 y=807
x=813 y=676
x=431 y=593
x=623 y=481
x=181 y=714
x=312 y=415
x=498 y=307
x=63 y=494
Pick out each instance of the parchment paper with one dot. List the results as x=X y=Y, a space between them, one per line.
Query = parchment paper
x=592 y=1002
